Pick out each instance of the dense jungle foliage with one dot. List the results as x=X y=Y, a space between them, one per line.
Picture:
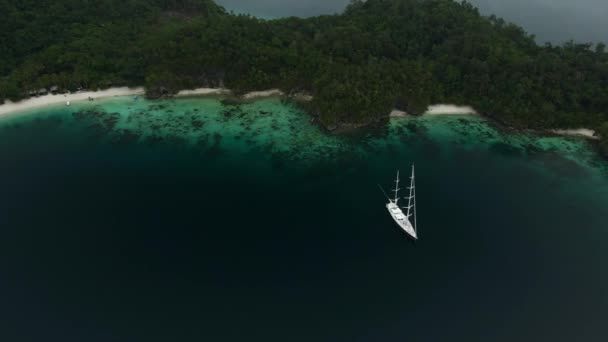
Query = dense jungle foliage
x=377 y=55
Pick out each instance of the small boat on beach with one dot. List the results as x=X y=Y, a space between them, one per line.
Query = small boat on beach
x=396 y=212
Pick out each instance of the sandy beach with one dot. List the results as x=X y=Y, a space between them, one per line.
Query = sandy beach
x=302 y=97
x=449 y=109
x=263 y=93
x=585 y=132
x=396 y=113
x=203 y=92
x=247 y=96
x=438 y=109
x=47 y=100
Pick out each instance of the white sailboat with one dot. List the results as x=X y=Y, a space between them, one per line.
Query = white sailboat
x=403 y=220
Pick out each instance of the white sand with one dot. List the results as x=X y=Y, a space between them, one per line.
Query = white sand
x=397 y=113
x=202 y=92
x=586 y=132
x=448 y=109
x=46 y=100
x=263 y=93
x=248 y=96
x=304 y=97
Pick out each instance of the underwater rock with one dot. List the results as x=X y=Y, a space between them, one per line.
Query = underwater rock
x=197 y=123
x=125 y=137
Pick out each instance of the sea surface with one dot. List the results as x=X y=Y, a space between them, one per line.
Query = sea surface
x=202 y=220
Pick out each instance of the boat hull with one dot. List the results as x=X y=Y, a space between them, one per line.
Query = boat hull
x=401 y=220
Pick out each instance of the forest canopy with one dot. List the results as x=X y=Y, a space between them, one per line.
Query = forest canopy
x=377 y=55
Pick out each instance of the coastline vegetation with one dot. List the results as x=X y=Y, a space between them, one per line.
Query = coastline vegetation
x=359 y=65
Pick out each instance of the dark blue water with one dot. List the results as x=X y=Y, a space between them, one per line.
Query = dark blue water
x=107 y=236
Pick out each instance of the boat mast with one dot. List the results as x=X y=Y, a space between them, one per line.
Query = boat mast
x=396 y=188
x=412 y=196
x=415 y=216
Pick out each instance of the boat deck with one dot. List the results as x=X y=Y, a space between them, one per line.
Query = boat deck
x=401 y=219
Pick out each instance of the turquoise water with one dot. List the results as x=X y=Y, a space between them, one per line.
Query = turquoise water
x=191 y=219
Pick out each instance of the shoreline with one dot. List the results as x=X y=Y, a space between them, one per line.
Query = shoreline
x=263 y=93
x=202 y=92
x=437 y=109
x=9 y=107
x=433 y=110
x=48 y=100
x=450 y=109
x=252 y=95
x=396 y=113
x=580 y=132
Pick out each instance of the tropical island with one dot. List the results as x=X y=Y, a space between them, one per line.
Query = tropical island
x=355 y=67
